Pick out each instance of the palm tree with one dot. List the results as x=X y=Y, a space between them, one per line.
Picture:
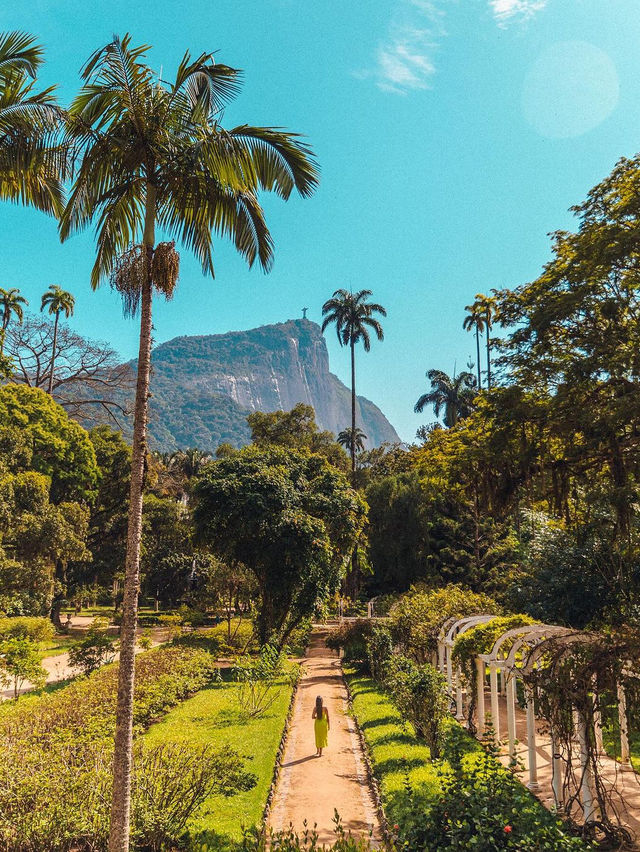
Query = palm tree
x=353 y=316
x=57 y=301
x=32 y=164
x=153 y=155
x=481 y=315
x=454 y=395
x=189 y=462
x=11 y=303
x=347 y=438
x=475 y=320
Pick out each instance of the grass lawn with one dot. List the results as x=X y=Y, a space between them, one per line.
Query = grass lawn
x=213 y=717
x=393 y=745
x=611 y=741
x=56 y=646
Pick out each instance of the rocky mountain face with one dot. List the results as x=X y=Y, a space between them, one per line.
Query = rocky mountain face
x=203 y=387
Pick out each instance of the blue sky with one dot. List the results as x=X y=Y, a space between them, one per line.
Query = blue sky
x=453 y=135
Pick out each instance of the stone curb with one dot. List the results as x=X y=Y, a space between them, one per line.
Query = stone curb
x=371 y=778
x=280 y=754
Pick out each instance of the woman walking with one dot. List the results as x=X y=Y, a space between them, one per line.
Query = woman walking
x=321 y=725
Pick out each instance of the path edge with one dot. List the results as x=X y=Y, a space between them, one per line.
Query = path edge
x=368 y=762
x=279 y=754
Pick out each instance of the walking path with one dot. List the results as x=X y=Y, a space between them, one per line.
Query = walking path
x=312 y=788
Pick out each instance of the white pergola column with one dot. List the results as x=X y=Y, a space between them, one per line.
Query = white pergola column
x=449 y=664
x=531 y=741
x=441 y=667
x=624 y=725
x=511 y=712
x=495 y=706
x=480 y=668
x=586 y=782
x=556 y=772
x=597 y=723
x=459 y=710
x=503 y=682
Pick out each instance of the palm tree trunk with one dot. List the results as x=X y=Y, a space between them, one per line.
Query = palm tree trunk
x=123 y=748
x=478 y=351
x=53 y=351
x=354 y=555
x=488 y=353
x=353 y=414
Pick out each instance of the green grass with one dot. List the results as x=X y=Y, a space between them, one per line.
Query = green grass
x=56 y=646
x=393 y=745
x=611 y=742
x=214 y=717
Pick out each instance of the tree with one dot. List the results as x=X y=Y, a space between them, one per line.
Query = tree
x=353 y=317
x=11 y=303
x=481 y=315
x=19 y=662
x=89 y=381
x=32 y=165
x=57 y=446
x=455 y=396
x=290 y=518
x=349 y=439
x=475 y=319
x=298 y=430
x=154 y=155
x=56 y=300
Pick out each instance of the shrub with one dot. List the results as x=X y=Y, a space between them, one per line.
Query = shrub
x=95 y=650
x=420 y=693
x=172 y=781
x=379 y=653
x=289 y=841
x=482 y=806
x=56 y=749
x=416 y=619
x=261 y=679
x=25 y=627
x=352 y=636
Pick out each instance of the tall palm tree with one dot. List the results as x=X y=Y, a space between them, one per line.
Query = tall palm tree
x=475 y=319
x=57 y=301
x=32 y=162
x=347 y=439
x=453 y=395
x=353 y=317
x=153 y=155
x=481 y=315
x=11 y=303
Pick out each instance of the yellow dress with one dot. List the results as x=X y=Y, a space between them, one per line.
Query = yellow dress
x=321 y=728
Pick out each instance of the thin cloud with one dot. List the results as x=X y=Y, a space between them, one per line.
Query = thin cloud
x=505 y=11
x=404 y=60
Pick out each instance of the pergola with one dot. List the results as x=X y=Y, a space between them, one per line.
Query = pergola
x=514 y=654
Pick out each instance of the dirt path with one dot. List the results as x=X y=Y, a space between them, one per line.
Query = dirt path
x=312 y=788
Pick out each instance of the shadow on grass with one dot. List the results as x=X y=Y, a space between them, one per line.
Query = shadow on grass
x=394 y=739
x=383 y=720
x=212 y=841
x=398 y=764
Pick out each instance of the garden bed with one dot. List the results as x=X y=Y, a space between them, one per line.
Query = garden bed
x=214 y=717
x=484 y=802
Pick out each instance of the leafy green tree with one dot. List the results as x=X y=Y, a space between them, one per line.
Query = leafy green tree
x=32 y=165
x=59 y=447
x=353 y=316
x=453 y=395
x=11 y=302
x=296 y=429
x=56 y=301
x=290 y=518
x=20 y=662
x=96 y=649
x=154 y=155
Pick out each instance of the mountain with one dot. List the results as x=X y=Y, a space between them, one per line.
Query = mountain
x=204 y=386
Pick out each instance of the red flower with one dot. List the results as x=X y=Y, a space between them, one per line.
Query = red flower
x=507 y=829
x=396 y=827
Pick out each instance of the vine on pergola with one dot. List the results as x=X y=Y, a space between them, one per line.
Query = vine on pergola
x=577 y=676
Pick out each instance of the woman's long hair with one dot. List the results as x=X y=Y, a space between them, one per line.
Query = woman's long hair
x=319 y=708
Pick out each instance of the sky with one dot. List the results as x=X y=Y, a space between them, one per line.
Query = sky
x=452 y=137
